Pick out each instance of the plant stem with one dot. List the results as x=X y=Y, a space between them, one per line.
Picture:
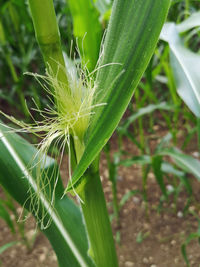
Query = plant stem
x=102 y=248
x=198 y=133
x=145 y=171
x=187 y=7
x=175 y=98
x=47 y=32
x=48 y=37
x=112 y=169
x=115 y=201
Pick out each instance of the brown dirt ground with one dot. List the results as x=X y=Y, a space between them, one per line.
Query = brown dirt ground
x=165 y=231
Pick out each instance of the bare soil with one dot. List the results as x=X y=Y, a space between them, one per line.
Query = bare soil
x=162 y=232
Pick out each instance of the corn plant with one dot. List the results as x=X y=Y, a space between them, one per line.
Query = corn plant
x=87 y=108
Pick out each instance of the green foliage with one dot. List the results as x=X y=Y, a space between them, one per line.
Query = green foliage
x=191 y=236
x=123 y=129
x=116 y=83
x=120 y=62
x=4 y=214
x=184 y=63
x=141 y=237
x=66 y=231
x=7 y=246
x=185 y=162
x=87 y=29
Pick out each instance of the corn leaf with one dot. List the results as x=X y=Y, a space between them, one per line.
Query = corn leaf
x=104 y=6
x=157 y=168
x=131 y=38
x=87 y=29
x=169 y=168
x=66 y=231
x=144 y=111
x=185 y=65
x=141 y=160
x=7 y=246
x=4 y=214
x=188 y=24
x=127 y=196
x=185 y=162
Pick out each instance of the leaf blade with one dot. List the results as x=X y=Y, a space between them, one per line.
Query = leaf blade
x=185 y=65
x=132 y=46
x=6 y=216
x=70 y=246
x=191 y=22
x=87 y=29
x=183 y=161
